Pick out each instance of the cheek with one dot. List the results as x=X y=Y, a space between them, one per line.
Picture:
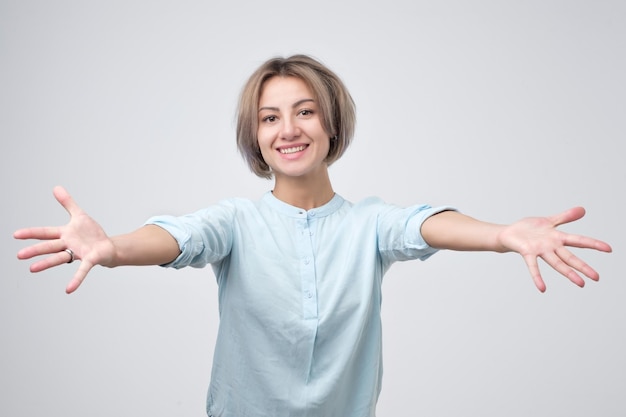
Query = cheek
x=263 y=144
x=264 y=135
x=260 y=139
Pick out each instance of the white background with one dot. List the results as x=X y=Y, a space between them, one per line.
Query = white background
x=503 y=109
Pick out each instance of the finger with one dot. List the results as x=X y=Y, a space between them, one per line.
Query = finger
x=568 y=216
x=533 y=268
x=41 y=233
x=51 y=261
x=578 y=264
x=43 y=248
x=66 y=200
x=561 y=267
x=79 y=277
x=578 y=241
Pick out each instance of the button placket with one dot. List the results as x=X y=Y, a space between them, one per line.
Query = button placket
x=307 y=268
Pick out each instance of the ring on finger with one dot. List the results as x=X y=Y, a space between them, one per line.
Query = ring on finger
x=71 y=253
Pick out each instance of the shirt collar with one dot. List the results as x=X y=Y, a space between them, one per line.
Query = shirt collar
x=293 y=211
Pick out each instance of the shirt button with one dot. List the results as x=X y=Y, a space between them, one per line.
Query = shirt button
x=306 y=261
x=308 y=294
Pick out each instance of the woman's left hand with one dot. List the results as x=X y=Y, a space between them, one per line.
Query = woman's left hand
x=538 y=237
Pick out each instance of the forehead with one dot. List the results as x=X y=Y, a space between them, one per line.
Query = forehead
x=284 y=88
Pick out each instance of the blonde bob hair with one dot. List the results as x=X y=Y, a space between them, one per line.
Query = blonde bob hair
x=337 y=109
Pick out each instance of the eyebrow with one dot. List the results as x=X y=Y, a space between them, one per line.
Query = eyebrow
x=294 y=105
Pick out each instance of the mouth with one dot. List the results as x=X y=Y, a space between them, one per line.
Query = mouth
x=293 y=149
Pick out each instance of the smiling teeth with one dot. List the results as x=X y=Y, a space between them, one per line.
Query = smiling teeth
x=292 y=150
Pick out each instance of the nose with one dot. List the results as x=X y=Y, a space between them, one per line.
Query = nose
x=289 y=129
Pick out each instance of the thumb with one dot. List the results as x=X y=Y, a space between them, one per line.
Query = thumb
x=79 y=277
x=66 y=200
x=568 y=216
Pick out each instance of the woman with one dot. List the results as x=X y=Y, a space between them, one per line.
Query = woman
x=300 y=271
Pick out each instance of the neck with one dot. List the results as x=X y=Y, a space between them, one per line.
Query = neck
x=305 y=192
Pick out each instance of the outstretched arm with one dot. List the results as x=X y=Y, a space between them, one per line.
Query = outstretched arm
x=149 y=245
x=532 y=238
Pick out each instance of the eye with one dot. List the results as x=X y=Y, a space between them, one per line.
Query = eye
x=269 y=119
x=305 y=112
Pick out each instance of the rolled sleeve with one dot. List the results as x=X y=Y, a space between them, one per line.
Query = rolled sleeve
x=188 y=250
x=414 y=238
x=399 y=232
x=203 y=237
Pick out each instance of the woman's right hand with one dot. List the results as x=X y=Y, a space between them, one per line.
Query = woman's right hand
x=82 y=235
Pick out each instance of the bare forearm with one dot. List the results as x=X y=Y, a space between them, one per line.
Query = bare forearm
x=456 y=231
x=149 y=245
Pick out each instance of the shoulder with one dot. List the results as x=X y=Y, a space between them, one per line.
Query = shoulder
x=366 y=210
x=232 y=204
x=369 y=205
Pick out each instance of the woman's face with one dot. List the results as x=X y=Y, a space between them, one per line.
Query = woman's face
x=290 y=134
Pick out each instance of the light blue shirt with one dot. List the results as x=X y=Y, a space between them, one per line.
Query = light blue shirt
x=299 y=300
